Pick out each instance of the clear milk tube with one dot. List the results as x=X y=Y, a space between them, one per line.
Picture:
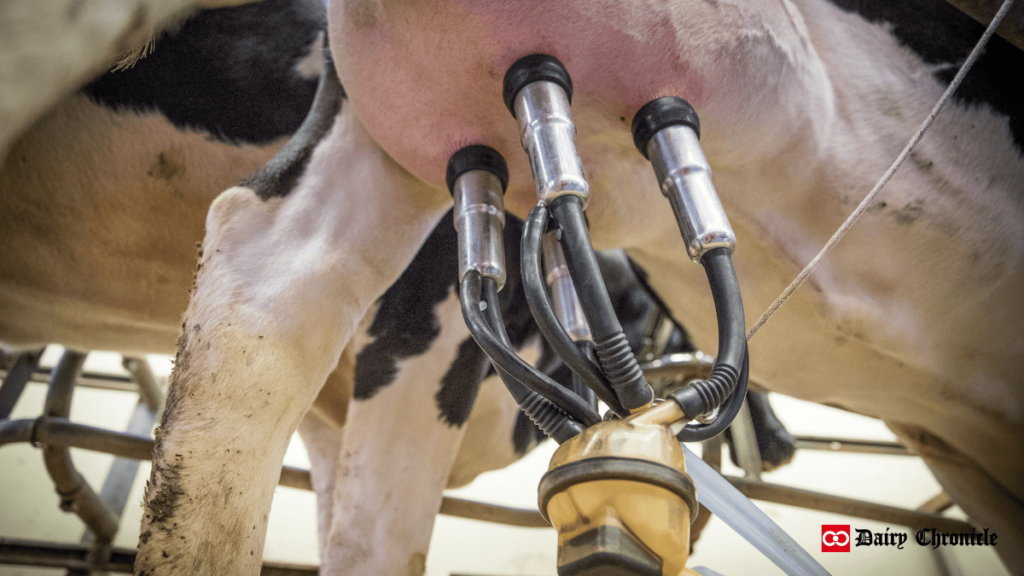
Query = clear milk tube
x=740 y=514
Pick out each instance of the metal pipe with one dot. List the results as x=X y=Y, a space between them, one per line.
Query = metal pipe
x=711 y=451
x=811 y=500
x=493 y=513
x=744 y=441
x=296 y=478
x=60 y=555
x=61 y=432
x=937 y=504
x=852 y=446
x=87 y=380
x=76 y=494
x=73 y=556
x=659 y=329
x=15 y=380
x=57 y=431
x=117 y=485
x=12 y=431
x=149 y=391
x=62 y=384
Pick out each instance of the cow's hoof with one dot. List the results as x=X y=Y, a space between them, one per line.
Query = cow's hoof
x=775 y=444
x=777 y=448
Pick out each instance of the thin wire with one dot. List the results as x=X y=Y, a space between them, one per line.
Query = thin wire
x=863 y=206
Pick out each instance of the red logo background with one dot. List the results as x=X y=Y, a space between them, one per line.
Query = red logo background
x=835 y=537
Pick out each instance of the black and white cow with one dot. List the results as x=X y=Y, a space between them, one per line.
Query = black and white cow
x=146 y=149
x=104 y=198
x=803 y=104
x=50 y=48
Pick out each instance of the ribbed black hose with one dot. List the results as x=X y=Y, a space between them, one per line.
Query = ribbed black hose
x=544 y=313
x=612 y=349
x=708 y=394
x=552 y=421
x=504 y=358
x=586 y=348
x=728 y=412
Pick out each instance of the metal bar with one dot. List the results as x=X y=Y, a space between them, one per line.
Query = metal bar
x=854 y=446
x=846 y=506
x=711 y=452
x=142 y=375
x=58 y=431
x=456 y=507
x=15 y=380
x=76 y=494
x=62 y=383
x=118 y=483
x=12 y=431
x=73 y=556
x=296 y=478
x=123 y=470
x=61 y=432
x=86 y=379
x=288 y=569
x=460 y=508
x=937 y=504
x=60 y=555
x=744 y=441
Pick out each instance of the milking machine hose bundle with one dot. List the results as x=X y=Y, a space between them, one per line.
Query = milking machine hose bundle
x=538 y=92
x=617 y=489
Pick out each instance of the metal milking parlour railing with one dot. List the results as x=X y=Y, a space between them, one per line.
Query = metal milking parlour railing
x=136 y=444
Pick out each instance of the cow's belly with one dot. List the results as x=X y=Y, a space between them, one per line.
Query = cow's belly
x=102 y=215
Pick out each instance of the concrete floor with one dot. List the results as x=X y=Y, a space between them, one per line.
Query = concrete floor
x=28 y=505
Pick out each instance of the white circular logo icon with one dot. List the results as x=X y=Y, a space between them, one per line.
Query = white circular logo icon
x=831 y=538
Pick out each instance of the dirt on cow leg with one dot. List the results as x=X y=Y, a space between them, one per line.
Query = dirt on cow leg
x=265 y=326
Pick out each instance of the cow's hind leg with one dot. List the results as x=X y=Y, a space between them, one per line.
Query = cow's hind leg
x=288 y=268
x=401 y=436
x=321 y=432
x=323 y=444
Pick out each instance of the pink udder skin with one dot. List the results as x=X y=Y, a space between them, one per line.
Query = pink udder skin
x=426 y=78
